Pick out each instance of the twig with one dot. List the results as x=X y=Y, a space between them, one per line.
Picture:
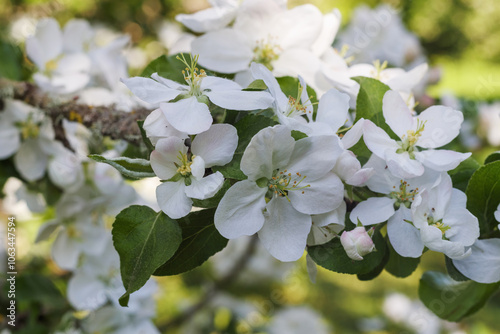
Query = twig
x=108 y=121
x=232 y=275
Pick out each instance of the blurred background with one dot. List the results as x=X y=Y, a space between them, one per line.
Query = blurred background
x=461 y=41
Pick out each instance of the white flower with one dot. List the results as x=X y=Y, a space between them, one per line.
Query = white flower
x=497 y=214
x=297 y=320
x=434 y=127
x=185 y=171
x=191 y=113
x=489 y=122
x=394 y=207
x=216 y=17
x=357 y=243
x=445 y=224
x=59 y=71
x=267 y=33
x=288 y=181
x=483 y=264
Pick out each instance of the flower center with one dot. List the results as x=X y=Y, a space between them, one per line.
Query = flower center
x=265 y=52
x=192 y=75
x=29 y=128
x=408 y=141
x=73 y=232
x=438 y=224
x=282 y=182
x=184 y=168
x=404 y=196
x=297 y=107
x=377 y=73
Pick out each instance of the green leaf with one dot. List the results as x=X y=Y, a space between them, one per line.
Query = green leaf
x=168 y=67
x=461 y=175
x=247 y=127
x=375 y=272
x=256 y=85
x=452 y=300
x=400 y=266
x=332 y=256
x=200 y=240
x=453 y=271
x=495 y=156
x=369 y=103
x=145 y=138
x=8 y=170
x=213 y=202
x=144 y=239
x=134 y=169
x=483 y=195
x=12 y=60
x=297 y=135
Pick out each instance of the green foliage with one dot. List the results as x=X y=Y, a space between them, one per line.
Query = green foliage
x=144 y=240
x=200 y=240
x=130 y=168
x=400 y=266
x=247 y=127
x=168 y=67
x=483 y=195
x=332 y=256
x=12 y=60
x=453 y=271
x=297 y=135
x=452 y=300
x=492 y=157
x=145 y=138
x=462 y=174
x=256 y=85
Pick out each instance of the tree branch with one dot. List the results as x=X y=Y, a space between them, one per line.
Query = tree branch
x=108 y=121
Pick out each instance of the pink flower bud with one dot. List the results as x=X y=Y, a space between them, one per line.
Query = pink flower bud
x=357 y=243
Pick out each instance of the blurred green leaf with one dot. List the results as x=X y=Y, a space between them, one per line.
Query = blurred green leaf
x=332 y=256
x=200 y=240
x=12 y=60
x=452 y=300
x=144 y=239
x=483 y=195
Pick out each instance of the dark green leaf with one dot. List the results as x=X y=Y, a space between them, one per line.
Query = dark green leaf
x=452 y=300
x=332 y=256
x=144 y=239
x=145 y=138
x=200 y=240
x=375 y=272
x=38 y=289
x=462 y=174
x=483 y=195
x=8 y=170
x=400 y=266
x=213 y=201
x=492 y=157
x=369 y=103
x=168 y=67
x=247 y=127
x=298 y=135
x=134 y=169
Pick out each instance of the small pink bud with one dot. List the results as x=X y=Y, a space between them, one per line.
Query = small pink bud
x=357 y=243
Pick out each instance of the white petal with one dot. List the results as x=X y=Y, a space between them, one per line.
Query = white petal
x=407 y=81
x=169 y=83
x=49 y=37
x=336 y=217
x=404 y=237
x=441 y=160
x=298 y=61
x=30 y=160
x=86 y=292
x=324 y=195
x=497 y=213
x=261 y=72
x=240 y=210
x=330 y=26
x=172 y=199
x=373 y=211
x=69 y=83
x=397 y=114
x=377 y=140
x=165 y=155
x=347 y=165
x=483 y=264
x=74 y=63
x=314 y=156
x=217 y=145
x=268 y=150
x=188 y=115
x=442 y=125
x=198 y=167
x=150 y=90
x=352 y=136
x=285 y=231
x=333 y=108
x=157 y=127
x=209 y=19
x=432 y=238
x=385 y=181
x=10 y=140
x=401 y=165
x=240 y=100
x=76 y=33
x=65 y=251
x=46 y=230
x=223 y=51
x=205 y=188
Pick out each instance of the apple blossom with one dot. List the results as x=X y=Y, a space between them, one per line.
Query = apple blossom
x=434 y=127
x=288 y=181
x=357 y=243
x=190 y=113
x=184 y=172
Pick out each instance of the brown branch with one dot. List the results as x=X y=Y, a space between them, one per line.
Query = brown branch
x=108 y=121
x=230 y=277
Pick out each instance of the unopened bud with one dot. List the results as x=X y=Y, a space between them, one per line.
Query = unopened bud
x=357 y=243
